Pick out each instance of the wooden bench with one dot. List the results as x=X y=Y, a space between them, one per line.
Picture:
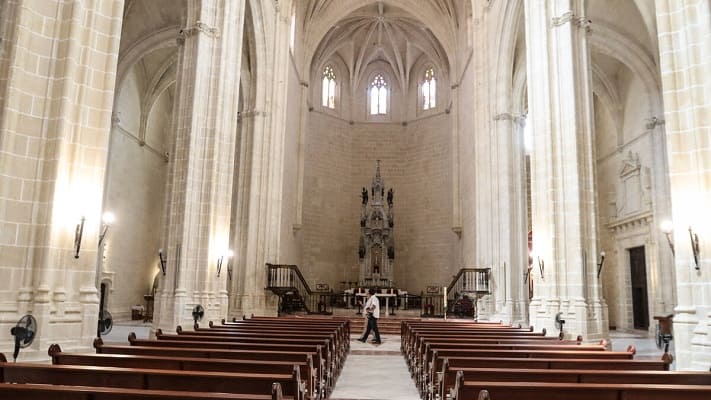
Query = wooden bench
x=22 y=391
x=426 y=373
x=337 y=354
x=153 y=379
x=308 y=372
x=324 y=384
x=417 y=356
x=460 y=363
x=570 y=376
x=335 y=347
x=326 y=353
x=419 y=340
x=466 y=390
x=342 y=327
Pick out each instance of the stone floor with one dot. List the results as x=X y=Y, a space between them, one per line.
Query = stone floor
x=375 y=372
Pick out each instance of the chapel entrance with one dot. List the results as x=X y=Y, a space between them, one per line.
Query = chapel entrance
x=638 y=275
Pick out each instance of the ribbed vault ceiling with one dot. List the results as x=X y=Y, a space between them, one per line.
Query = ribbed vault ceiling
x=378 y=32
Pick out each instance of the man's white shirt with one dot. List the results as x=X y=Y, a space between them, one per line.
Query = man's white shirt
x=375 y=304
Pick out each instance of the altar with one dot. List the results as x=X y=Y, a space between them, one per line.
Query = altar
x=376 y=248
x=392 y=294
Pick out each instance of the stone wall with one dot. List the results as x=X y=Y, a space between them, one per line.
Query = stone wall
x=340 y=159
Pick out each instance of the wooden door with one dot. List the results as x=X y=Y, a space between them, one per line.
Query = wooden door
x=638 y=274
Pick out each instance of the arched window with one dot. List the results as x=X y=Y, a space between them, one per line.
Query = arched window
x=429 y=90
x=328 y=88
x=378 y=96
x=292 y=28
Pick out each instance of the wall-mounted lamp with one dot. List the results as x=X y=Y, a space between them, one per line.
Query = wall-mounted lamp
x=107 y=219
x=667 y=227
x=600 y=264
x=161 y=256
x=229 y=254
x=78 y=233
x=695 y=247
x=541 y=266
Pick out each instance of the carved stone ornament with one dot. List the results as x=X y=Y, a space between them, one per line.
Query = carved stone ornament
x=376 y=251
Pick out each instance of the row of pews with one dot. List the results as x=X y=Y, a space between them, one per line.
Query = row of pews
x=466 y=361
x=259 y=358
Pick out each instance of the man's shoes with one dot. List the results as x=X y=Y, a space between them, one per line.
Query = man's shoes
x=376 y=342
x=361 y=340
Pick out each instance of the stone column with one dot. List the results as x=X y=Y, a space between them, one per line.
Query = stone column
x=57 y=74
x=685 y=60
x=266 y=159
x=562 y=182
x=202 y=162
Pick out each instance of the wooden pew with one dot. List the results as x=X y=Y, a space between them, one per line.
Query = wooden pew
x=433 y=362
x=415 y=356
x=571 y=376
x=424 y=356
x=153 y=379
x=443 y=377
x=307 y=370
x=330 y=341
x=325 y=353
x=22 y=391
x=418 y=340
x=466 y=390
x=342 y=326
x=337 y=353
x=269 y=355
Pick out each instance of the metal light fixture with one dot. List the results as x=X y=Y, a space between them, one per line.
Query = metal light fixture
x=667 y=227
x=107 y=219
x=78 y=233
x=162 y=258
x=541 y=266
x=695 y=247
x=229 y=254
x=600 y=264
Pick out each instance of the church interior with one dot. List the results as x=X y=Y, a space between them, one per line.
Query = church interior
x=498 y=163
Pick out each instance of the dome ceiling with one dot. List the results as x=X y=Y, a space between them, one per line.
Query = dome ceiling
x=380 y=33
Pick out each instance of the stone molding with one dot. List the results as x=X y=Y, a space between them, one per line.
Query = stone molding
x=199 y=27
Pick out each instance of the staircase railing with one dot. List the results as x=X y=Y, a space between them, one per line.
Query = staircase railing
x=474 y=283
x=470 y=282
x=294 y=293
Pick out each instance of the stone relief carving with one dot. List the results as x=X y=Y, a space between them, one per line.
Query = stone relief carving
x=376 y=252
x=632 y=192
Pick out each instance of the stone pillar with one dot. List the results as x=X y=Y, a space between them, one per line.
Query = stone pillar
x=562 y=182
x=57 y=74
x=685 y=60
x=202 y=162
x=265 y=159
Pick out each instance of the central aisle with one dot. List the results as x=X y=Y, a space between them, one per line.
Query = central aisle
x=375 y=373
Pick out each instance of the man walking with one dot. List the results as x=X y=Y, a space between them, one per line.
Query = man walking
x=372 y=309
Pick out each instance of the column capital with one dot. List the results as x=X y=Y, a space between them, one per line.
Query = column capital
x=562 y=19
x=507 y=116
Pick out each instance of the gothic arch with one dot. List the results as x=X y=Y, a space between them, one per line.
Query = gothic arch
x=161 y=39
x=607 y=41
x=423 y=11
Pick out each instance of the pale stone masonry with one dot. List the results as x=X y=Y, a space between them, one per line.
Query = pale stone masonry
x=58 y=72
x=562 y=185
x=200 y=124
x=685 y=61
